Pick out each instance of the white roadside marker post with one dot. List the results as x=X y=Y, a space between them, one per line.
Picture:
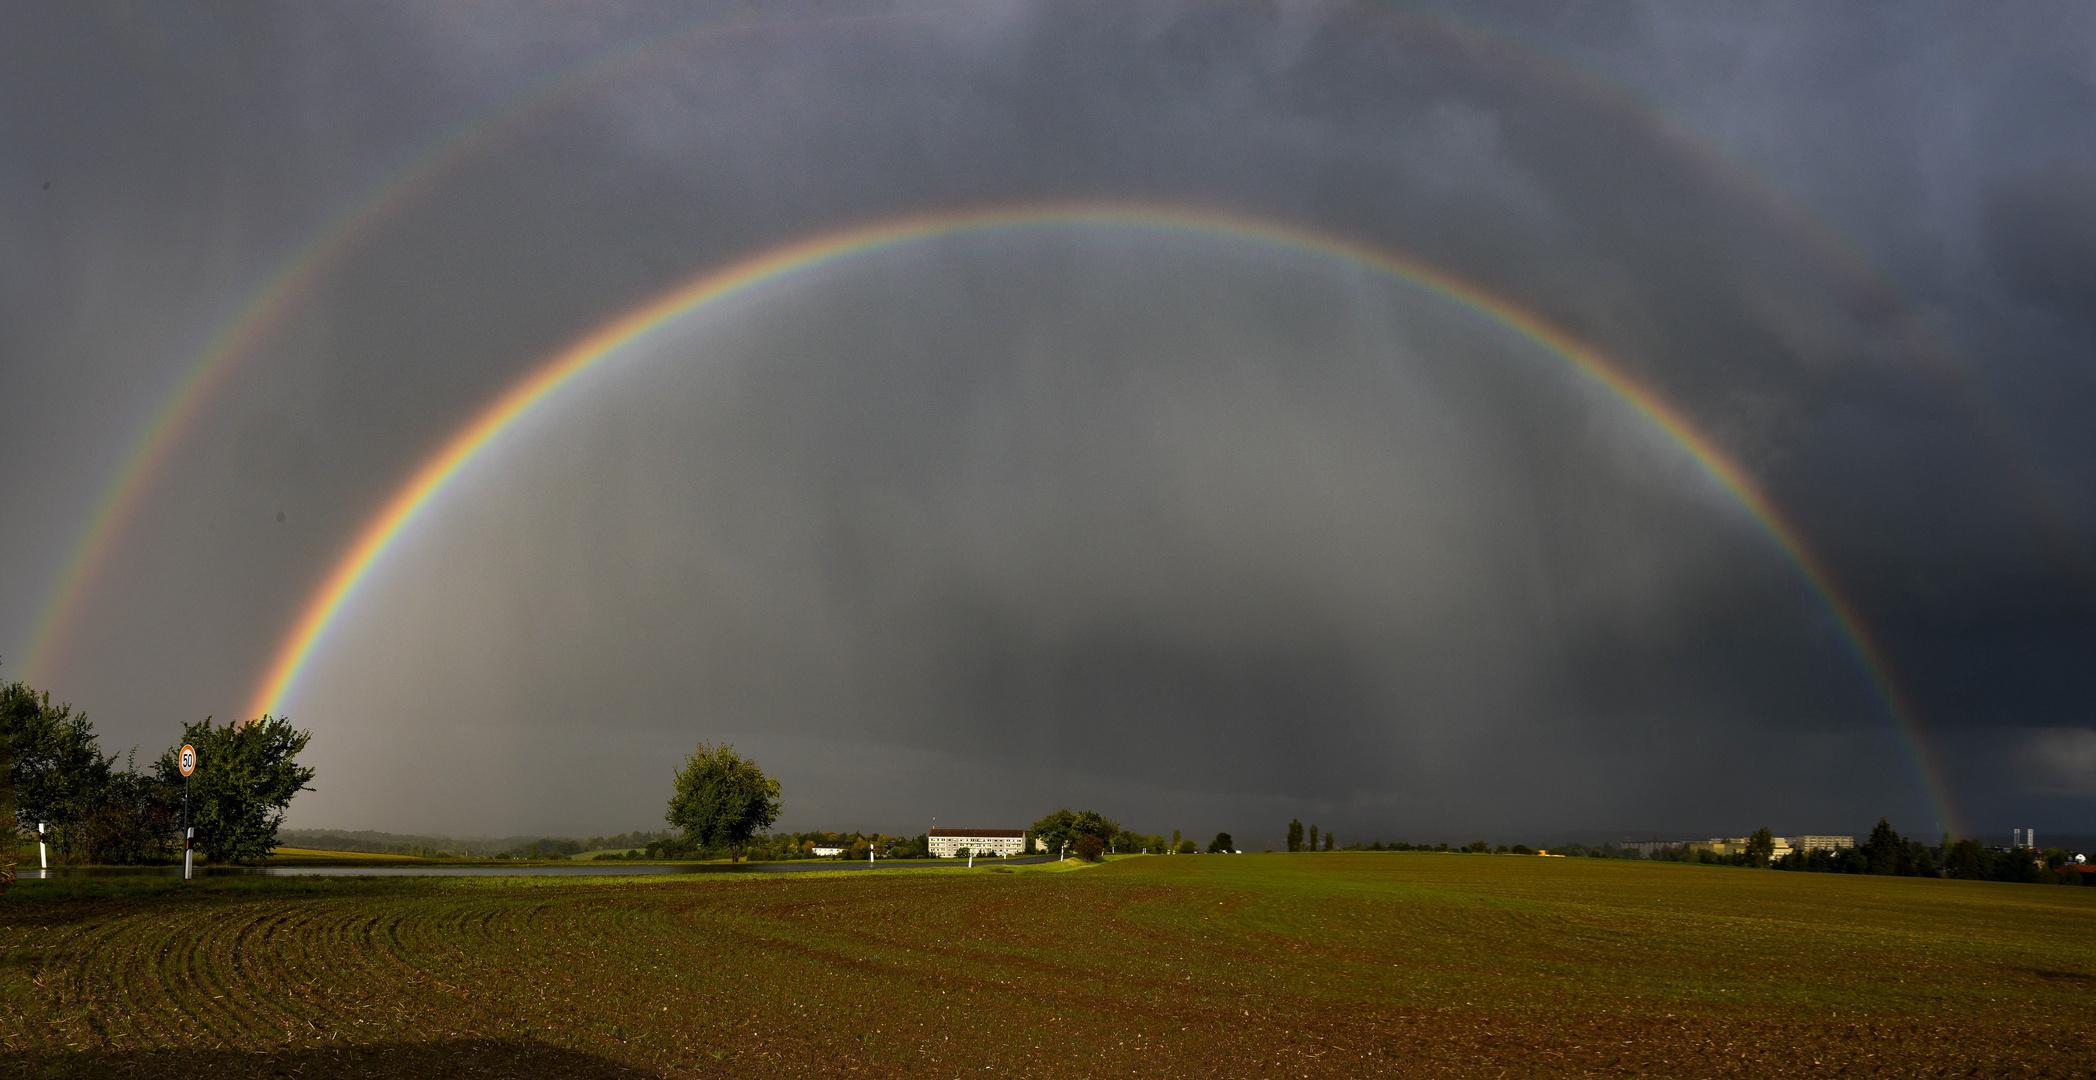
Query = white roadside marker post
x=43 y=856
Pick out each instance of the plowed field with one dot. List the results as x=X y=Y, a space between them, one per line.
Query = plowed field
x=1311 y=965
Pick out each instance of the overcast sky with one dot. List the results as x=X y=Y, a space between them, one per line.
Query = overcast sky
x=1196 y=531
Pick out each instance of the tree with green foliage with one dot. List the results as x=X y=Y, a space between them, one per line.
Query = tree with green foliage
x=135 y=819
x=1055 y=830
x=722 y=799
x=1186 y=847
x=1094 y=823
x=1127 y=842
x=56 y=764
x=1295 y=834
x=1313 y=839
x=1886 y=851
x=60 y=777
x=8 y=827
x=1966 y=859
x=1761 y=847
x=1070 y=826
x=1330 y=840
x=1175 y=839
x=246 y=776
x=1221 y=845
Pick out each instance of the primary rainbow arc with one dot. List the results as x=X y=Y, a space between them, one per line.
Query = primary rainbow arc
x=783 y=263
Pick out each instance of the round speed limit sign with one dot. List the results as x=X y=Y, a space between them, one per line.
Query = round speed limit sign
x=186 y=759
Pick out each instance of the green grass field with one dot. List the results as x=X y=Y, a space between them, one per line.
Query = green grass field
x=592 y=853
x=1324 y=965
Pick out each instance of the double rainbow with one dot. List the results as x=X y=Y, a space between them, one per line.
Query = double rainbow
x=783 y=264
x=363 y=217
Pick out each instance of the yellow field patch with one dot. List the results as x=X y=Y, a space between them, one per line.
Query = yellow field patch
x=319 y=853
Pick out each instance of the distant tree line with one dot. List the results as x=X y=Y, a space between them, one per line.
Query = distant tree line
x=1479 y=847
x=1091 y=836
x=8 y=846
x=1296 y=842
x=785 y=846
x=97 y=814
x=1088 y=833
x=1886 y=852
x=449 y=847
x=722 y=803
x=563 y=846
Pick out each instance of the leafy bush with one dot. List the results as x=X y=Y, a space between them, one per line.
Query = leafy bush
x=246 y=775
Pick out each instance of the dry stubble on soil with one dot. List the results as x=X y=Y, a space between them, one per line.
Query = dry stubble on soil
x=1330 y=964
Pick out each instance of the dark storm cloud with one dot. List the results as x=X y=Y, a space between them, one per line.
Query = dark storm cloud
x=2041 y=238
x=1183 y=529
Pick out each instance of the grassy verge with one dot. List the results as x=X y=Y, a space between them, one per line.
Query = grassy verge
x=1340 y=965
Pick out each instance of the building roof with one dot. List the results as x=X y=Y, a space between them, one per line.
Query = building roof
x=1014 y=834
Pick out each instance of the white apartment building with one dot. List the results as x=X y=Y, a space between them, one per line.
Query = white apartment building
x=1821 y=843
x=945 y=842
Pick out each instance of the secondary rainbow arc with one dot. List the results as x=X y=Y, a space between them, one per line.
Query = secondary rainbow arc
x=779 y=264
x=300 y=274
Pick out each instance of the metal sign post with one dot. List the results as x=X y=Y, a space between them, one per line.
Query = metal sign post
x=187 y=762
